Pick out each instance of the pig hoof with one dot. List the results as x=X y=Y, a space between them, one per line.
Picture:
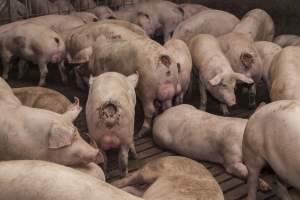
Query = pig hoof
x=143 y=132
x=263 y=186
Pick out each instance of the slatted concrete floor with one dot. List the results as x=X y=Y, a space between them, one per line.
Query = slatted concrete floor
x=233 y=188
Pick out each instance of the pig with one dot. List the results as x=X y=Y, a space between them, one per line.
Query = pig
x=258 y=25
x=272 y=138
x=81 y=5
x=36 y=180
x=64 y=6
x=183 y=59
x=34 y=43
x=103 y=12
x=284 y=75
x=190 y=9
x=267 y=51
x=6 y=94
x=215 y=72
x=155 y=65
x=86 y=17
x=110 y=114
x=173 y=177
x=92 y=169
x=42 y=135
x=287 y=40
x=213 y=22
x=244 y=58
x=43 y=98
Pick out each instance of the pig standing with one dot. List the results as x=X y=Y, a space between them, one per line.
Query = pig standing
x=40 y=180
x=173 y=177
x=154 y=63
x=287 y=40
x=272 y=137
x=110 y=113
x=215 y=72
x=284 y=75
x=258 y=25
x=190 y=10
x=34 y=43
x=243 y=58
x=213 y=22
x=267 y=51
x=183 y=59
x=103 y=12
x=36 y=134
x=43 y=98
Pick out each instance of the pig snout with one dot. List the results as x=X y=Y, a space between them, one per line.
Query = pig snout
x=230 y=100
x=93 y=155
x=110 y=141
x=166 y=92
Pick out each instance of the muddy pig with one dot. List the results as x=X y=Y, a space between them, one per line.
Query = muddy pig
x=155 y=65
x=272 y=137
x=34 y=43
x=257 y=24
x=243 y=58
x=284 y=75
x=183 y=59
x=110 y=111
x=190 y=10
x=213 y=22
x=173 y=177
x=103 y=12
x=287 y=40
x=40 y=180
x=215 y=72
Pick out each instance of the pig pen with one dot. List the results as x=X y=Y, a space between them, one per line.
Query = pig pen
x=285 y=15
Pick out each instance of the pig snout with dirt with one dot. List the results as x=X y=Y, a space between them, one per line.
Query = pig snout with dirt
x=287 y=40
x=267 y=51
x=183 y=59
x=44 y=98
x=34 y=43
x=172 y=177
x=190 y=10
x=243 y=58
x=213 y=22
x=284 y=75
x=272 y=137
x=110 y=112
x=155 y=65
x=215 y=72
x=258 y=25
x=37 y=180
x=103 y=12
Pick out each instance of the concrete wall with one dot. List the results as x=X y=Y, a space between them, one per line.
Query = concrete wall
x=285 y=13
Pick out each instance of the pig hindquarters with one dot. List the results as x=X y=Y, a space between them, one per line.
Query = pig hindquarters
x=272 y=136
x=173 y=177
x=110 y=114
x=40 y=180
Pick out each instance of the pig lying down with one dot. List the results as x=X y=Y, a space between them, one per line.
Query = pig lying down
x=110 y=114
x=215 y=72
x=275 y=142
x=190 y=9
x=40 y=180
x=34 y=43
x=172 y=177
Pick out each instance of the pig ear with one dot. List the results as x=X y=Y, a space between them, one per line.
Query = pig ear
x=73 y=110
x=247 y=60
x=60 y=137
x=215 y=80
x=243 y=78
x=165 y=60
x=133 y=79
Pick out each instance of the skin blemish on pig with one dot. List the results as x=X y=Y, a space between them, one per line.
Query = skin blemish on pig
x=109 y=114
x=165 y=60
x=247 y=60
x=56 y=40
x=168 y=73
x=179 y=67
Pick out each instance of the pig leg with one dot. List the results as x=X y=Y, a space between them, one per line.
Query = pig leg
x=22 y=68
x=252 y=96
x=62 y=71
x=224 y=109
x=133 y=151
x=6 y=64
x=133 y=179
x=123 y=160
x=149 y=111
x=203 y=95
x=179 y=99
x=43 y=73
x=79 y=81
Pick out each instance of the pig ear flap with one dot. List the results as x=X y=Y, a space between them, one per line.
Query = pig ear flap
x=215 y=80
x=59 y=137
x=165 y=60
x=243 y=78
x=247 y=60
x=73 y=110
x=133 y=79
